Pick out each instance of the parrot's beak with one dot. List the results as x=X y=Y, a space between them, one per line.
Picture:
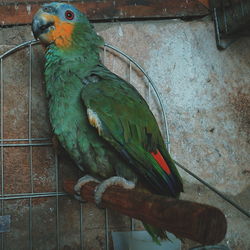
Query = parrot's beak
x=42 y=25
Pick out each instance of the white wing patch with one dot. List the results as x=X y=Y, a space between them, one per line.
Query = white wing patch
x=94 y=120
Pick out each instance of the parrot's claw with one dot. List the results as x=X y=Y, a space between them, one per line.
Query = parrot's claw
x=81 y=182
x=116 y=180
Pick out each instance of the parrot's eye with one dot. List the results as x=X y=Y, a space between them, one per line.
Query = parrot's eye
x=69 y=15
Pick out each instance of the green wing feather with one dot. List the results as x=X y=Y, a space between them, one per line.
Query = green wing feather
x=127 y=123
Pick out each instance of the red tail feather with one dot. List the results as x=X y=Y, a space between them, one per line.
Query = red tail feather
x=158 y=157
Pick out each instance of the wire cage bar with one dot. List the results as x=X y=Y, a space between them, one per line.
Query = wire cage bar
x=31 y=143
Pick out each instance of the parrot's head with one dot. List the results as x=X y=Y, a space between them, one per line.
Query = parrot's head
x=63 y=25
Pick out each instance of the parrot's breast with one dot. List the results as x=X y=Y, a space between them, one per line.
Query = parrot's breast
x=70 y=124
x=68 y=117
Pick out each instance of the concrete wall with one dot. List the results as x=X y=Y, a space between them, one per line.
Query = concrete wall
x=205 y=93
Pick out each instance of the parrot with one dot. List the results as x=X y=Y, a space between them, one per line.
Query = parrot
x=100 y=119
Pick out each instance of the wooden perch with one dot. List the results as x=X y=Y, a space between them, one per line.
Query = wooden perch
x=199 y=222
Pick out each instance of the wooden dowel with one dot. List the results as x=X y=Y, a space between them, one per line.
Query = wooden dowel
x=198 y=222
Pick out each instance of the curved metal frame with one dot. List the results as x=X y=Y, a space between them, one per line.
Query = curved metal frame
x=166 y=130
x=30 y=142
x=151 y=83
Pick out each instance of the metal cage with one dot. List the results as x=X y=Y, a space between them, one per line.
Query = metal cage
x=20 y=209
x=31 y=143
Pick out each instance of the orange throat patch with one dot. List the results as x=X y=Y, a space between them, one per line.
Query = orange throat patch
x=62 y=34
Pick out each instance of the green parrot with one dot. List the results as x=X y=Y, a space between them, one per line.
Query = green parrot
x=100 y=119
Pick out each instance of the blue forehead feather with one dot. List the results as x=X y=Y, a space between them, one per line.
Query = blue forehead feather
x=61 y=8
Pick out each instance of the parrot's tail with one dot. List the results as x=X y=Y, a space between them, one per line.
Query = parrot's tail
x=164 y=176
x=157 y=234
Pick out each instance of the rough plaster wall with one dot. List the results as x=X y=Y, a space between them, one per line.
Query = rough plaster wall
x=206 y=95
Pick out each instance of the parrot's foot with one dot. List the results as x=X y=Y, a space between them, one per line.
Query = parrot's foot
x=81 y=182
x=116 y=180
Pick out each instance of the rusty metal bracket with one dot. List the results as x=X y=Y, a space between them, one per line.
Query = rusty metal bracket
x=231 y=20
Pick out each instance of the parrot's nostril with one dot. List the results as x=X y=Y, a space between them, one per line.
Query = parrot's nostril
x=48 y=9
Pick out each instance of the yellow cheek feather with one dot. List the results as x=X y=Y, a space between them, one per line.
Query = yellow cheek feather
x=62 y=34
